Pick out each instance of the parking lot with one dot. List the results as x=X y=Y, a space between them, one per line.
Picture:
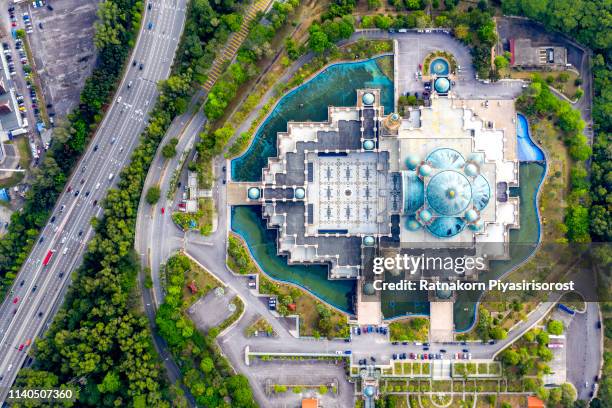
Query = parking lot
x=63 y=49
x=267 y=374
x=211 y=310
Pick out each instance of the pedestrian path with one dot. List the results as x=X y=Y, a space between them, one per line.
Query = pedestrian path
x=234 y=43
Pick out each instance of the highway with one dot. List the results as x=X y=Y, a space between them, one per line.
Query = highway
x=38 y=288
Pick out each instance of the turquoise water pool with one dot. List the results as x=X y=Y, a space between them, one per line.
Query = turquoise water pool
x=249 y=224
x=439 y=67
x=335 y=86
x=526 y=149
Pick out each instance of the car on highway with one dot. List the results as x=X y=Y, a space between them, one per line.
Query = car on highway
x=34 y=288
x=149 y=6
x=15 y=300
x=141 y=66
x=21 y=283
x=53 y=219
x=20 y=347
x=150 y=25
x=95 y=150
x=163 y=210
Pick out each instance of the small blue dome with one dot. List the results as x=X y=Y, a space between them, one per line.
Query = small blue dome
x=477 y=158
x=471 y=215
x=471 y=170
x=369 y=240
x=395 y=116
x=443 y=294
x=300 y=193
x=254 y=193
x=412 y=224
x=425 y=170
x=412 y=161
x=369 y=391
x=368 y=145
x=368 y=289
x=425 y=216
x=367 y=98
x=477 y=226
x=442 y=85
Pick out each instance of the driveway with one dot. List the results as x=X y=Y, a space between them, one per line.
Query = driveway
x=584 y=350
x=414 y=47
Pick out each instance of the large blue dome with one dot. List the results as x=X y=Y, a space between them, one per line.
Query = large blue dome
x=449 y=192
x=369 y=391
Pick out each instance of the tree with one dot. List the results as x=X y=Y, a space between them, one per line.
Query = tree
x=153 y=195
x=543 y=338
x=323 y=389
x=500 y=62
x=510 y=357
x=498 y=333
x=207 y=365
x=318 y=41
x=577 y=221
x=555 y=327
x=462 y=31
x=382 y=22
x=110 y=384
x=506 y=405
x=568 y=394
x=169 y=150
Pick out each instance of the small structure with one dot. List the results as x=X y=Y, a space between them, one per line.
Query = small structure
x=524 y=54
x=535 y=402
x=310 y=403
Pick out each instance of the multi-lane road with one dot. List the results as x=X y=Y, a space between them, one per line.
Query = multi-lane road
x=38 y=289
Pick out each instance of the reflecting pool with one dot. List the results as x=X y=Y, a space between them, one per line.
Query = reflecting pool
x=527 y=150
x=335 y=86
x=249 y=224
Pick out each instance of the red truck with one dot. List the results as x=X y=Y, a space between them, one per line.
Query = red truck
x=48 y=257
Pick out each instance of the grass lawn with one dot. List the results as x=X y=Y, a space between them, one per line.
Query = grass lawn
x=412 y=329
x=204 y=281
x=260 y=325
x=207 y=208
x=567 y=88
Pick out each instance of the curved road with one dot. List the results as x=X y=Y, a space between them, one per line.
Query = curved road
x=38 y=289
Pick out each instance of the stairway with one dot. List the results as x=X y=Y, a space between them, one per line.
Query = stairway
x=234 y=43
